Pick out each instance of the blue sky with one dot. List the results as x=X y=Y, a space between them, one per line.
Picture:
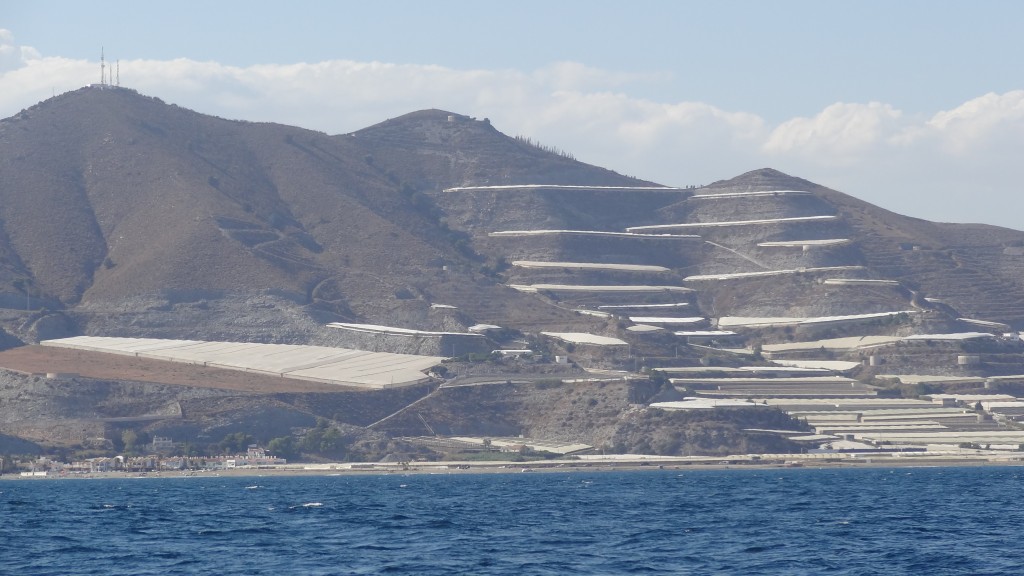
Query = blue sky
x=915 y=106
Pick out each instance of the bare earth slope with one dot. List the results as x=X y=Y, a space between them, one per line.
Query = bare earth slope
x=121 y=215
x=127 y=212
x=112 y=203
x=976 y=269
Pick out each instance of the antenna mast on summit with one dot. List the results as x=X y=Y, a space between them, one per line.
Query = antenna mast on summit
x=103 y=68
x=118 y=74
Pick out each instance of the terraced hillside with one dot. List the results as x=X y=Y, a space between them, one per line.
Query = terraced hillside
x=762 y=244
x=121 y=215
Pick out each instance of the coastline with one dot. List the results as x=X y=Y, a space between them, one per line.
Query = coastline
x=622 y=463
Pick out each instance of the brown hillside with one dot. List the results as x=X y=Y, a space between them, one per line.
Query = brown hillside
x=121 y=215
x=114 y=202
x=140 y=218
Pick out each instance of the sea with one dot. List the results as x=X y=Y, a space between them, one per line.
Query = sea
x=929 y=521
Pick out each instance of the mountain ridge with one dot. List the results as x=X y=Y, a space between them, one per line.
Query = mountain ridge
x=121 y=215
x=109 y=196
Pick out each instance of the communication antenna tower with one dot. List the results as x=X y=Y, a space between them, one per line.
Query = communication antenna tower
x=118 y=74
x=103 y=68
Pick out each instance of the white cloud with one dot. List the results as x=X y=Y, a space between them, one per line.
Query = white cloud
x=13 y=56
x=985 y=111
x=840 y=134
x=573 y=76
x=988 y=122
x=26 y=77
x=680 y=143
x=959 y=164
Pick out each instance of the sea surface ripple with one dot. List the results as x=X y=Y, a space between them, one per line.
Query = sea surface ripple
x=932 y=521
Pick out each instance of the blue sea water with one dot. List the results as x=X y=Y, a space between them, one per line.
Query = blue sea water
x=769 y=521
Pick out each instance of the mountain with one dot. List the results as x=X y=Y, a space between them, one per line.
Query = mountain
x=121 y=215
x=114 y=206
x=132 y=216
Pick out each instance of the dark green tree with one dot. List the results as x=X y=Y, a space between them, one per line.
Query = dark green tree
x=283 y=447
x=130 y=440
x=235 y=443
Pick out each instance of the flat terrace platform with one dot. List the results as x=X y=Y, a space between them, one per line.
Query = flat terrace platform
x=590 y=233
x=396 y=330
x=70 y=363
x=763 y=273
x=727 y=195
x=698 y=225
x=835 y=344
x=754 y=322
x=668 y=320
x=585 y=338
x=338 y=366
x=951 y=437
x=564 y=187
x=805 y=243
x=530 y=288
x=859 y=282
x=589 y=266
x=643 y=306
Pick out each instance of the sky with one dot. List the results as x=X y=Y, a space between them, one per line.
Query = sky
x=916 y=106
